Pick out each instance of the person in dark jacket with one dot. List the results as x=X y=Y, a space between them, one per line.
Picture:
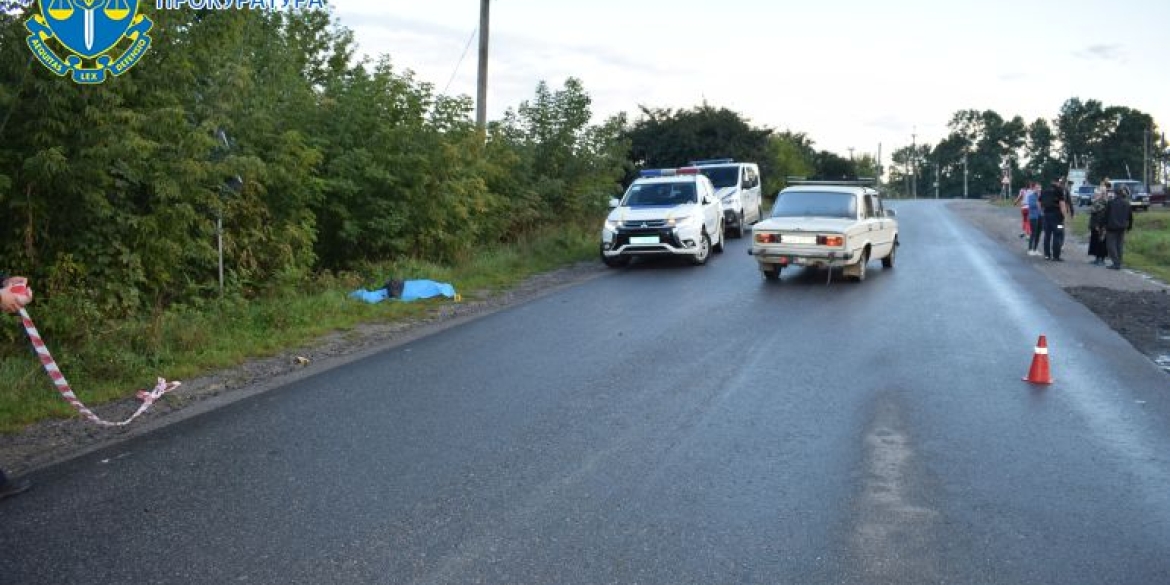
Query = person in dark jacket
x=11 y=303
x=1097 y=227
x=1118 y=220
x=1054 y=207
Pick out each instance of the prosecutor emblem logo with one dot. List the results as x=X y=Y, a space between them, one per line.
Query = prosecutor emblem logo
x=91 y=32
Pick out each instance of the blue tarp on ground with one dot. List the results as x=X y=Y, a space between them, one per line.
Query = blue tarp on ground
x=411 y=290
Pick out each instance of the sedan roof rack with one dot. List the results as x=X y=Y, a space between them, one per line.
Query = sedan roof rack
x=844 y=182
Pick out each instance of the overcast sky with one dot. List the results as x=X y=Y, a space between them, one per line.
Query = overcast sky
x=848 y=73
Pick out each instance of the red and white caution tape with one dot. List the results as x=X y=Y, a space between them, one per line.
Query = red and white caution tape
x=147 y=397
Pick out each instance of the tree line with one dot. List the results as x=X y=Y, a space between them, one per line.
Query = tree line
x=262 y=126
x=264 y=123
x=1111 y=141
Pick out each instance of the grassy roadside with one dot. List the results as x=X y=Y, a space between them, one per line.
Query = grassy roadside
x=109 y=362
x=1147 y=246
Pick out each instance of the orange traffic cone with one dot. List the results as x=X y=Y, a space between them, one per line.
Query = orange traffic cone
x=1038 y=373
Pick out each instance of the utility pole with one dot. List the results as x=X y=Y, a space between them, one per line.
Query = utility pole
x=964 y=175
x=481 y=90
x=1146 y=158
x=936 y=180
x=914 y=164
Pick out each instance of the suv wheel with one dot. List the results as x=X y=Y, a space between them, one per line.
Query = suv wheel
x=704 y=251
x=737 y=230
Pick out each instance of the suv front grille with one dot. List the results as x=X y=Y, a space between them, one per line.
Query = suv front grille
x=644 y=223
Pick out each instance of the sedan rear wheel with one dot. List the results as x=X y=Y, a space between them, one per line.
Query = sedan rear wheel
x=859 y=272
x=888 y=261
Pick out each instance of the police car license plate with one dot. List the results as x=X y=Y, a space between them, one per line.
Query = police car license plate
x=644 y=239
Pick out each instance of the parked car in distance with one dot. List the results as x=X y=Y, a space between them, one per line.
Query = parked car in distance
x=1158 y=195
x=1139 y=196
x=1084 y=195
x=825 y=225
x=664 y=212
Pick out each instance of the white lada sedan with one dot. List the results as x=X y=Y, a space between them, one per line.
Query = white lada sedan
x=826 y=225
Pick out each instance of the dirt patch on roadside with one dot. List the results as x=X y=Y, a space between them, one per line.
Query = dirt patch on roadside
x=1130 y=302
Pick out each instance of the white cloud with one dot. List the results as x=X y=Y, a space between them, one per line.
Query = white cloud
x=851 y=73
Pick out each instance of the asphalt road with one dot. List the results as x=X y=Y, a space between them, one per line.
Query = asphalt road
x=663 y=424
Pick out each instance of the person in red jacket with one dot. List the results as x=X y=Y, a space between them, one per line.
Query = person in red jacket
x=12 y=302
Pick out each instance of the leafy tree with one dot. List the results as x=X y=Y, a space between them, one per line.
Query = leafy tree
x=1040 y=153
x=1080 y=127
x=791 y=155
x=665 y=138
x=1122 y=144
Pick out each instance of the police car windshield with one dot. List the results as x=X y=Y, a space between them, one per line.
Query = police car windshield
x=721 y=176
x=815 y=204
x=660 y=194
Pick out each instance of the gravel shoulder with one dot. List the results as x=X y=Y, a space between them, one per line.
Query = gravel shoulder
x=1133 y=304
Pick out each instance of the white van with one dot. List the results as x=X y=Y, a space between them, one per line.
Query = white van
x=737 y=184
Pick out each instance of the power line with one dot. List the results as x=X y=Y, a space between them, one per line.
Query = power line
x=461 y=57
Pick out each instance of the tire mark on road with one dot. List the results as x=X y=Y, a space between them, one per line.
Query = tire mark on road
x=893 y=535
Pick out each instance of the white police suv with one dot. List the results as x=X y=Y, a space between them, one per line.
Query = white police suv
x=664 y=212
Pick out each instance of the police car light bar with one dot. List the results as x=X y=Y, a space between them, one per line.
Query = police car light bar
x=714 y=161
x=668 y=172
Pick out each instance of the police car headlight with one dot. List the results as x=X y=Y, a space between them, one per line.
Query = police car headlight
x=612 y=225
x=682 y=222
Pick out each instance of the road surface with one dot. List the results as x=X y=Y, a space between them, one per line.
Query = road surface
x=663 y=424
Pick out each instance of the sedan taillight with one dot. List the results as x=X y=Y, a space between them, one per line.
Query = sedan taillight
x=834 y=241
x=767 y=238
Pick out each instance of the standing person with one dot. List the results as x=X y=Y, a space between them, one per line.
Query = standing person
x=1097 y=218
x=12 y=303
x=1070 y=206
x=1022 y=202
x=1054 y=206
x=1118 y=220
x=1035 y=217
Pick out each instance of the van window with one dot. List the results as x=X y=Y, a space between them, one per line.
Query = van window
x=721 y=176
x=751 y=178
